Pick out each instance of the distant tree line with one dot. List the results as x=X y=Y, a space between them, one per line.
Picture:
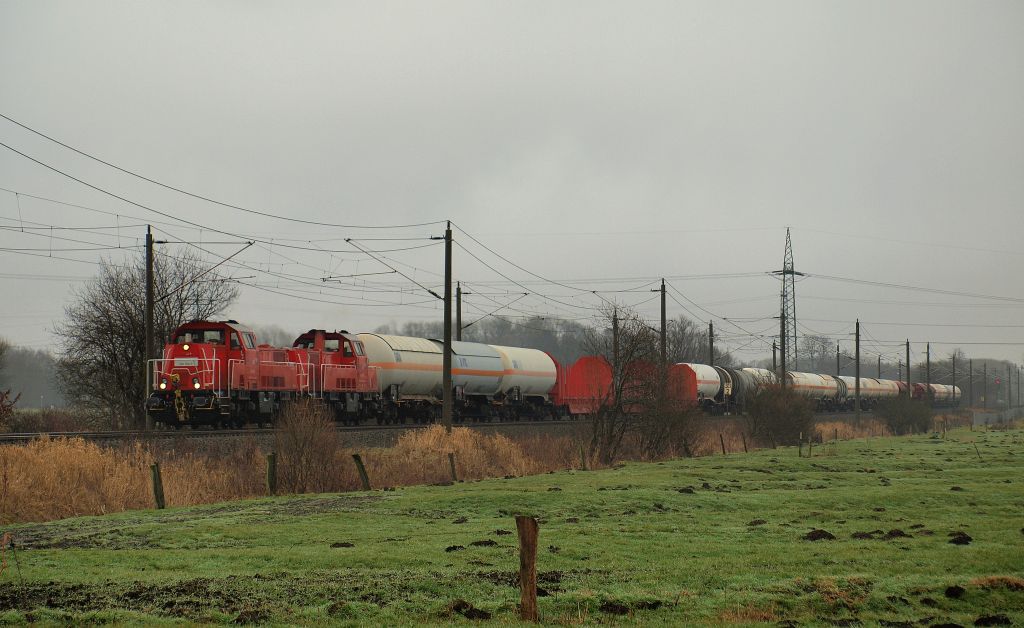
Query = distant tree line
x=566 y=340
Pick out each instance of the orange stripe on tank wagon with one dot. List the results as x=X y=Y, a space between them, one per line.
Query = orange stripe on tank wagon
x=412 y=366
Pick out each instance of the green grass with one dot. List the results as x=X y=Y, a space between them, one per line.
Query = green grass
x=622 y=540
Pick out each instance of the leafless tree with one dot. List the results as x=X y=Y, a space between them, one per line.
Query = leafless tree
x=687 y=341
x=630 y=346
x=6 y=400
x=817 y=355
x=4 y=348
x=101 y=357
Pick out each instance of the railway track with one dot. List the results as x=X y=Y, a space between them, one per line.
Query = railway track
x=25 y=437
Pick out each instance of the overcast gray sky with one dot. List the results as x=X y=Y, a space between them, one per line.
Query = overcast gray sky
x=582 y=141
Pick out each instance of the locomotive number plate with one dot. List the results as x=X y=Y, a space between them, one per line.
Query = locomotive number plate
x=186 y=361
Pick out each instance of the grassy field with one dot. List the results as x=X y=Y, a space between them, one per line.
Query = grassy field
x=709 y=540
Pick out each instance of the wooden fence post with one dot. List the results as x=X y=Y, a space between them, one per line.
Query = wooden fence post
x=810 y=446
x=365 y=479
x=583 y=458
x=835 y=434
x=158 y=486
x=451 y=466
x=800 y=446
x=528 y=531
x=744 y=437
x=722 y=440
x=271 y=473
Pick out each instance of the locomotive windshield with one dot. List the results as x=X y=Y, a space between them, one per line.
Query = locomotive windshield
x=209 y=336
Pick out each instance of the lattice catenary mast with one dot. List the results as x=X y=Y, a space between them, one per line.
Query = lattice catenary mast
x=787 y=306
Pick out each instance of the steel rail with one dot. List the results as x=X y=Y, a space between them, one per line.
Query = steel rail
x=24 y=437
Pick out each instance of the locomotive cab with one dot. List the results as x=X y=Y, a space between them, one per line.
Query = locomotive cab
x=191 y=383
x=341 y=372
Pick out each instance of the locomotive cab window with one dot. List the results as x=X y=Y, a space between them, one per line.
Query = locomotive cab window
x=250 y=342
x=235 y=344
x=213 y=336
x=331 y=344
x=348 y=350
x=359 y=348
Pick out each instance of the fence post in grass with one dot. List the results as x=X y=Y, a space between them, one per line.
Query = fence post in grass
x=744 y=437
x=365 y=479
x=271 y=473
x=528 y=530
x=451 y=466
x=800 y=446
x=810 y=446
x=583 y=458
x=721 y=440
x=158 y=486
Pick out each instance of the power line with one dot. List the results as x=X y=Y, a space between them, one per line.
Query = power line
x=204 y=198
x=162 y=213
x=916 y=288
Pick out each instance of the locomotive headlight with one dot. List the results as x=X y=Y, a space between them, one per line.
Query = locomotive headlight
x=185 y=346
x=163 y=383
x=195 y=383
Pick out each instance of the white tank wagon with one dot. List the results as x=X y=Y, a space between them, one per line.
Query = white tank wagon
x=526 y=372
x=477 y=368
x=889 y=388
x=408 y=367
x=823 y=389
x=763 y=377
x=707 y=384
x=944 y=394
x=872 y=390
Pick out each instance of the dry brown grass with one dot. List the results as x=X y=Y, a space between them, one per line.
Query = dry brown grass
x=748 y=614
x=847 y=430
x=1010 y=583
x=59 y=478
x=421 y=457
x=53 y=479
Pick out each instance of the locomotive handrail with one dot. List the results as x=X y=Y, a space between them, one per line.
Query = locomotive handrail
x=372 y=378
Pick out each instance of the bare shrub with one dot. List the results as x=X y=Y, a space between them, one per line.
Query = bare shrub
x=551 y=452
x=421 y=456
x=904 y=415
x=307 y=446
x=847 y=430
x=669 y=431
x=54 y=420
x=777 y=415
x=7 y=407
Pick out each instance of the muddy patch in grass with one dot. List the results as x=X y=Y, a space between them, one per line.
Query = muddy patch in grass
x=819 y=535
x=960 y=538
x=467 y=610
x=993 y=620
